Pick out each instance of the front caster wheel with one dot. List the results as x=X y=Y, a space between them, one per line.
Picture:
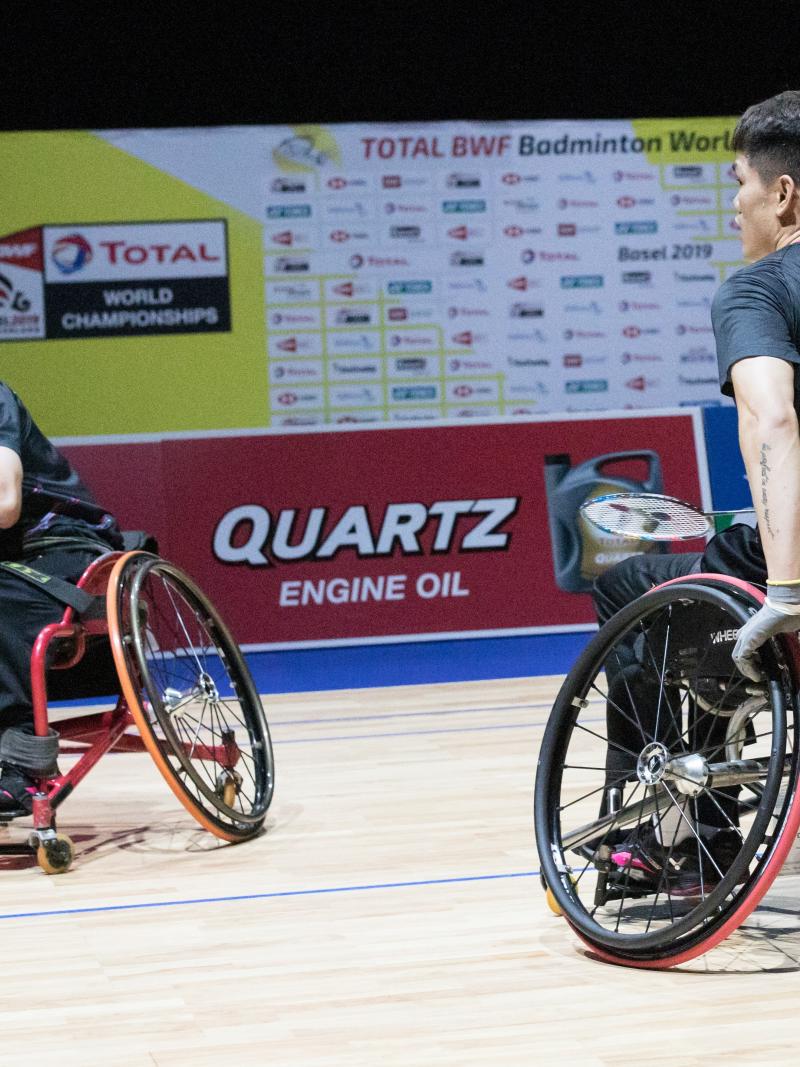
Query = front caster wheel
x=55 y=855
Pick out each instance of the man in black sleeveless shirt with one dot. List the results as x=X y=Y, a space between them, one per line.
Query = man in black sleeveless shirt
x=50 y=521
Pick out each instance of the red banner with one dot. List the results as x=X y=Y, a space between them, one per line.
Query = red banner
x=336 y=536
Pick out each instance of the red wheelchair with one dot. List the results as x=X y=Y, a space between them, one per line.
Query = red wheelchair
x=654 y=729
x=183 y=693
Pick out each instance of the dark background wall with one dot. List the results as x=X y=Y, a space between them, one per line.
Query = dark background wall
x=75 y=65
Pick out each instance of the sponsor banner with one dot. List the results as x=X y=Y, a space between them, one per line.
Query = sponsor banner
x=428 y=533
x=88 y=280
x=534 y=240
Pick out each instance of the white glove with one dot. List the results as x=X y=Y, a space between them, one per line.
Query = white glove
x=779 y=614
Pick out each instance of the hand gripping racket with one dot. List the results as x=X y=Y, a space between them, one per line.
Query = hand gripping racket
x=648 y=516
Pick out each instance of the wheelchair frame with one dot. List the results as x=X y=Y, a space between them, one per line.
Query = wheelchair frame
x=92 y=736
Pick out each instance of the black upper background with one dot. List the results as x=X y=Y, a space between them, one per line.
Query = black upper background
x=74 y=65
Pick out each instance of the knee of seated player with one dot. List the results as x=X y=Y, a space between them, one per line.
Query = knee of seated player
x=618 y=586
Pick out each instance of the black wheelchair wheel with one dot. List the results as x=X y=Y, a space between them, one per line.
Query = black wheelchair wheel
x=656 y=735
x=191 y=694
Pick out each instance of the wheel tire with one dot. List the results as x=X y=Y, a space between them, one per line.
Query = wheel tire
x=627 y=933
x=191 y=694
x=55 y=856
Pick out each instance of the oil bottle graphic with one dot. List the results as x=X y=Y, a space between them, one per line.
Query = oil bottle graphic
x=580 y=551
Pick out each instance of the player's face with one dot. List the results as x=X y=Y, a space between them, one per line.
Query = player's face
x=755 y=212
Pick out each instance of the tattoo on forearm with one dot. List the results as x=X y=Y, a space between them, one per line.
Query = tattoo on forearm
x=765 y=469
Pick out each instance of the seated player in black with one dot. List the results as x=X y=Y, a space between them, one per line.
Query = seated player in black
x=56 y=534
x=756 y=320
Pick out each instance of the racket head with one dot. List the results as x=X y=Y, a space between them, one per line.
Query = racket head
x=646 y=517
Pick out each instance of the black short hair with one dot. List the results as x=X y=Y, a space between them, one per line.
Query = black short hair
x=769 y=135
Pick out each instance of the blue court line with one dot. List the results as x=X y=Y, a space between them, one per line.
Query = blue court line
x=268 y=896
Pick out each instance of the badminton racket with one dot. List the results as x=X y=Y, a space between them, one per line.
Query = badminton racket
x=649 y=516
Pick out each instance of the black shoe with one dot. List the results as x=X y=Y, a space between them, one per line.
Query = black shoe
x=692 y=868
x=16 y=791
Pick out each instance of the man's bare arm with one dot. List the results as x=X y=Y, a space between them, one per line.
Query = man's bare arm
x=770 y=444
x=10 y=487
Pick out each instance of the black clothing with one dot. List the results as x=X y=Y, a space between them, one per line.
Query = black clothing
x=59 y=536
x=756 y=312
x=72 y=511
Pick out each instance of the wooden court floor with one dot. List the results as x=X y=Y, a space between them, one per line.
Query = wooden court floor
x=391 y=914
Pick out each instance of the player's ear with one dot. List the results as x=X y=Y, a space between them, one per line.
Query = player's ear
x=787 y=195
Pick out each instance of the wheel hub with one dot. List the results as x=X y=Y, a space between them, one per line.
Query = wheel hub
x=652 y=763
x=206 y=687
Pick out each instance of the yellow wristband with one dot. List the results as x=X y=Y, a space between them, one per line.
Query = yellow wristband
x=787 y=581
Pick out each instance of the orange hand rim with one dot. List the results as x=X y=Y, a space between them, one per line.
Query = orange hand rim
x=134 y=702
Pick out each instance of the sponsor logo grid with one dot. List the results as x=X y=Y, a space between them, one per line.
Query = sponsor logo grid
x=404 y=282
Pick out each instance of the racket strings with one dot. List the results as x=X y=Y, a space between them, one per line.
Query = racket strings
x=648 y=516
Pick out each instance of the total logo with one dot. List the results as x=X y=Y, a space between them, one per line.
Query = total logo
x=296 y=370
x=682 y=329
x=413 y=340
x=639 y=384
x=529 y=255
x=391 y=207
x=522 y=284
x=692 y=200
x=455 y=366
x=634 y=201
x=584 y=335
x=640 y=357
x=289 y=319
x=563 y=204
x=638 y=305
x=467 y=312
x=633 y=176
x=357 y=261
x=71 y=253
x=122 y=251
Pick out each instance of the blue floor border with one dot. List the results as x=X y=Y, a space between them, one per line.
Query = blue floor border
x=415 y=662
x=305 y=670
